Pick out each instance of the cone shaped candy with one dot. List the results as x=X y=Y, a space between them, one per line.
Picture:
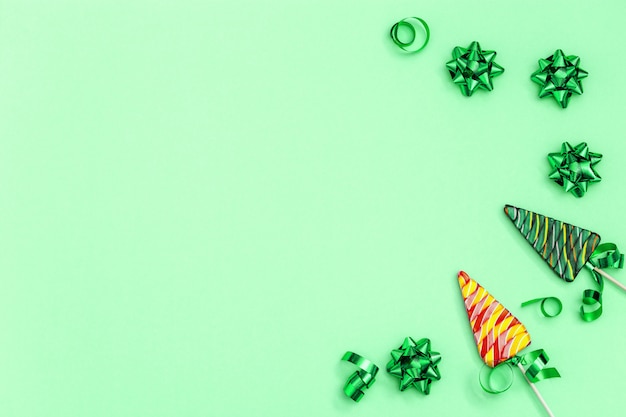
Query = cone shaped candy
x=566 y=248
x=498 y=334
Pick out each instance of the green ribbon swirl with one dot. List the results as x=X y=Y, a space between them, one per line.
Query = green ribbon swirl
x=542 y=305
x=361 y=379
x=410 y=23
x=535 y=369
x=415 y=364
x=607 y=255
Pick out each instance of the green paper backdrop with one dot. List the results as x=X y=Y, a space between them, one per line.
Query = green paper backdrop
x=203 y=205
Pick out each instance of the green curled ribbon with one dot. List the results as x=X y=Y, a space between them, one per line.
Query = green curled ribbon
x=410 y=23
x=361 y=379
x=542 y=305
x=534 y=364
x=415 y=364
x=607 y=255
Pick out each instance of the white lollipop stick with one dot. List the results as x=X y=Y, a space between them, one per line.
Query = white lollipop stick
x=610 y=278
x=543 y=402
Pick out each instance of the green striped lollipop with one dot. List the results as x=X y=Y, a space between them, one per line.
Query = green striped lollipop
x=565 y=248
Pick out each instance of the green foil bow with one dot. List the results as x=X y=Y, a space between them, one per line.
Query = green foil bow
x=607 y=255
x=573 y=167
x=472 y=68
x=559 y=76
x=361 y=379
x=415 y=364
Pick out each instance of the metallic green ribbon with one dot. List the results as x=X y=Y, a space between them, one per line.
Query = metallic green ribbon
x=472 y=68
x=573 y=167
x=361 y=379
x=410 y=23
x=543 y=301
x=415 y=364
x=534 y=364
x=560 y=76
x=607 y=255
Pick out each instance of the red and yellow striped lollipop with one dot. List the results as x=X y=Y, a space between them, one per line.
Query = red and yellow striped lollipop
x=498 y=334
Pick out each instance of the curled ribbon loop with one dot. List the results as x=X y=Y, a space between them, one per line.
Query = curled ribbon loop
x=542 y=305
x=534 y=364
x=361 y=379
x=410 y=24
x=607 y=255
x=487 y=376
x=415 y=364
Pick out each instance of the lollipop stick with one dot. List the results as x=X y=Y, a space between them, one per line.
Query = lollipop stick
x=519 y=365
x=610 y=278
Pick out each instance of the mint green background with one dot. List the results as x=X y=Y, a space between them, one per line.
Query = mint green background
x=203 y=205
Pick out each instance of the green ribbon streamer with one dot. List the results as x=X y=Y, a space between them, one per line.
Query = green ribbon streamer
x=411 y=24
x=573 y=168
x=543 y=301
x=415 y=364
x=607 y=255
x=362 y=379
x=534 y=364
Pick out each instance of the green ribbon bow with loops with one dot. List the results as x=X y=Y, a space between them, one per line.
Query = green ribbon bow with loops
x=534 y=364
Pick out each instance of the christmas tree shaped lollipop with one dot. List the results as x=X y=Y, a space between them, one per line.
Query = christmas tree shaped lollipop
x=498 y=334
x=565 y=248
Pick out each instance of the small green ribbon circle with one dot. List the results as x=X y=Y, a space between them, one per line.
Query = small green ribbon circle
x=487 y=374
x=412 y=24
x=542 y=305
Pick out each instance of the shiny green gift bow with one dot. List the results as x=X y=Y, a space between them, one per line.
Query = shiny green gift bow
x=535 y=370
x=361 y=379
x=415 y=364
x=573 y=167
x=607 y=255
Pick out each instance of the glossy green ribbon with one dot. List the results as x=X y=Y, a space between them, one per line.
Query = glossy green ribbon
x=607 y=255
x=361 y=379
x=472 y=68
x=542 y=305
x=410 y=24
x=415 y=364
x=573 y=168
x=560 y=76
x=535 y=369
